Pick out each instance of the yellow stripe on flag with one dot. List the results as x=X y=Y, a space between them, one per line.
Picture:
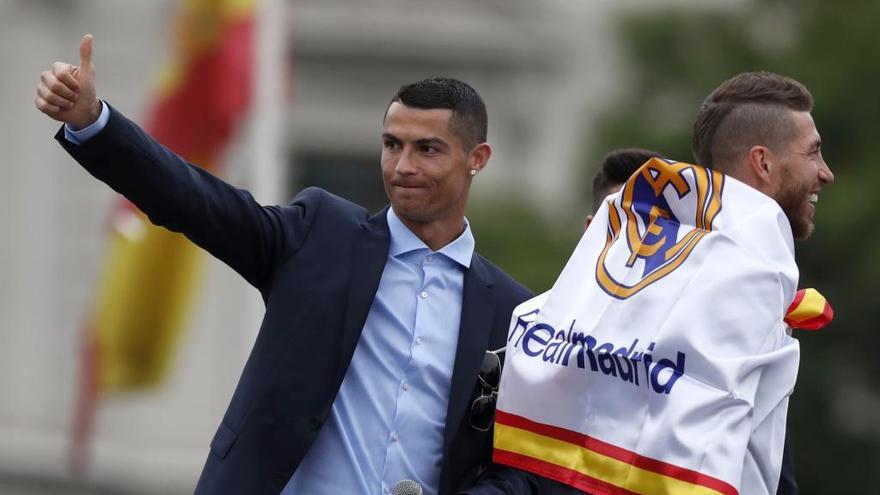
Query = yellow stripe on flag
x=146 y=295
x=810 y=306
x=592 y=464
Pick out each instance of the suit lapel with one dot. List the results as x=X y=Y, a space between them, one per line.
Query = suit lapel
x=369 y=255
x=477 y=311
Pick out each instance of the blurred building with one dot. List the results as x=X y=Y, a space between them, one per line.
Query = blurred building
x=543 y=68
x=539 y=65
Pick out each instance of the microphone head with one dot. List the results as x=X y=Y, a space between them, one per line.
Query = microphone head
x=407 y=487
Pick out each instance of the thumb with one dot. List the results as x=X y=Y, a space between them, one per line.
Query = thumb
x=85 y=53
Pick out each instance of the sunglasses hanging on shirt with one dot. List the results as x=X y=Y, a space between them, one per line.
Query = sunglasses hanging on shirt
x=489 y=377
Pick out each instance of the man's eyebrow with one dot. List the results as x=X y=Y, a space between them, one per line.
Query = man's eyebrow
x=435 y=142
x=432 y=141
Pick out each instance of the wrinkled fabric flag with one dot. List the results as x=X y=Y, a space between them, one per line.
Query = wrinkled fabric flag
x=151 y=275
x=659 y=362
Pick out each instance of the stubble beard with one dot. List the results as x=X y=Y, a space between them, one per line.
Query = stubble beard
x=794 y=201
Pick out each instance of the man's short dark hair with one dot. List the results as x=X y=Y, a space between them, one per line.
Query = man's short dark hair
x=469 y=120
x=749 y=109
x=616 y=168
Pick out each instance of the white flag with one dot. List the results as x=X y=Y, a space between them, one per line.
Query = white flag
x=659 y=362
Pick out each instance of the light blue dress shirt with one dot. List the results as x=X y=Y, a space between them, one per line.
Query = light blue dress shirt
x=388 y=421
x=82 y=135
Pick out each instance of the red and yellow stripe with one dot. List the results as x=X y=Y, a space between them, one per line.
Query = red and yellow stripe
x=592 y=465
x=809 y=311
x=151 y=275
x=204 y=91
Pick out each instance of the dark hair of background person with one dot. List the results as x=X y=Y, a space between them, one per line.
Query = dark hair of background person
x=617 y=167
x=748 y=109
x=469 y=118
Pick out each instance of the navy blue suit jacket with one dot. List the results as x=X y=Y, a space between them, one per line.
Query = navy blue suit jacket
x=317 y=263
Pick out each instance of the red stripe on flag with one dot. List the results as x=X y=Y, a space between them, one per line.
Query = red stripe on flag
x=798 y=297
x=615 y=452
x=197 y=118
x=818 y=322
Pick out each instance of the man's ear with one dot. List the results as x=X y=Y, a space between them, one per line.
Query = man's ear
x=479 y=157
x=759 y=169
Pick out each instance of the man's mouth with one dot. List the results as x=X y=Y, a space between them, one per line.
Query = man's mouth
x=813 y=199
x=406 y=185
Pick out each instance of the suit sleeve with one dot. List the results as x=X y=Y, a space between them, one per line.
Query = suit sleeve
x=224 y=220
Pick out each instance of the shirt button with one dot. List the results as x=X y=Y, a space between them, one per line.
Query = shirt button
x=429 y=258
x=394 y=437
x=418 y=340
x=386 y=490
x=424 y=294
x=405 y=386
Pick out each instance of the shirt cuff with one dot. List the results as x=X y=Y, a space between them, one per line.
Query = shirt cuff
x=88 y=132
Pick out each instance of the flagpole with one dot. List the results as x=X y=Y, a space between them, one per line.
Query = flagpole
x=266 y=143
x=268 y=172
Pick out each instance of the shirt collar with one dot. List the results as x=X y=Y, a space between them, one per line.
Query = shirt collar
x=460 y=250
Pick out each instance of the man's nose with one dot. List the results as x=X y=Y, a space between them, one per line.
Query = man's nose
x=405 y=164
x=825 y=174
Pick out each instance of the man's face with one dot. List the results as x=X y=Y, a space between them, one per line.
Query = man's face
x=425 y=168
x=803 y=173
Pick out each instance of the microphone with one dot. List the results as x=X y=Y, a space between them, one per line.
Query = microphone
x=407 y=487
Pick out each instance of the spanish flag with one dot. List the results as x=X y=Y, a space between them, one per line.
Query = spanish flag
x=151 y=275
x=809 y=311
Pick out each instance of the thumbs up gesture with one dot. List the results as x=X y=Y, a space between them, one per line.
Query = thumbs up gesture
x=67 y=92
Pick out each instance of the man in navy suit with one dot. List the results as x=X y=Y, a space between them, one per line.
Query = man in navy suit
x=365 y=369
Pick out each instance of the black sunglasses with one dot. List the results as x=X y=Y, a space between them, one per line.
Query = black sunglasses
x=483 y=408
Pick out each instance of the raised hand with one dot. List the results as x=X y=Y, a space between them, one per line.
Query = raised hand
x=67 y=92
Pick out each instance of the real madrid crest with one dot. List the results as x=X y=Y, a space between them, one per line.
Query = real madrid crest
x=660 y=216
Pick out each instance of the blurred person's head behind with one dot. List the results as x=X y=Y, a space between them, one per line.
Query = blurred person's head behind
x=617 y=166
x=757 y=128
